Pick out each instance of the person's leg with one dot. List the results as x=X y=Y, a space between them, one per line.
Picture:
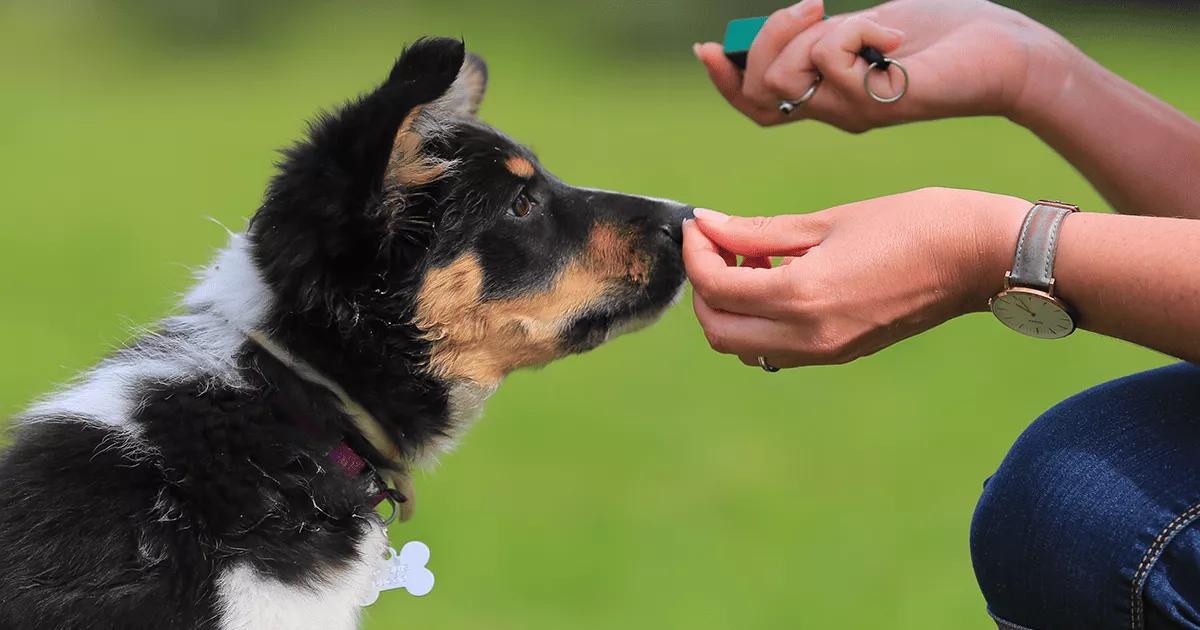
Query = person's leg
x=1090 y=521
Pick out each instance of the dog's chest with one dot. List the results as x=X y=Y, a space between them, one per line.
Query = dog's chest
x=248 y=600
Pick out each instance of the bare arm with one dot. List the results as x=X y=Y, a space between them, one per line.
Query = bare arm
x=1135 y=278
x=863 y=276
x=868 y=274
x=1142 y=154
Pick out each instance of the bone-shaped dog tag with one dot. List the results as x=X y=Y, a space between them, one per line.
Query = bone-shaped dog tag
x=404 y=570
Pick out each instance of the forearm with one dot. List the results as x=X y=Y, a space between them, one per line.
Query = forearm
x=1142 y=154
x=1134 y=278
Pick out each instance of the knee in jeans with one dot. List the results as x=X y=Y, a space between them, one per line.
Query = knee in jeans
x=1076 y=506
x=1039 y=518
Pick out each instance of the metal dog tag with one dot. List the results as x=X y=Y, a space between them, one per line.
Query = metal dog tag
x=404 y=570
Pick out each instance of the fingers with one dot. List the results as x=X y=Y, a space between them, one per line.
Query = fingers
x=725 y=76
x=727 y=287
x=732 y=333
x=830 y=51
x=786 y=235
x=757 y=262
x=780 y=28
x=792 y=72
x=745 y=336
x=836 y=54
x=791 y=50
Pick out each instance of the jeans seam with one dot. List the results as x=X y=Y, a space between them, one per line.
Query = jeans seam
x=1004 y=624
x=1153 y=553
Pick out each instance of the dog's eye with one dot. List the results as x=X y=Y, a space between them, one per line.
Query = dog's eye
x=522 y=205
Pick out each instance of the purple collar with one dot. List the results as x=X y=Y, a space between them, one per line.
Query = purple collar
x=350 y=462
x=346 y=459
x=354 y=465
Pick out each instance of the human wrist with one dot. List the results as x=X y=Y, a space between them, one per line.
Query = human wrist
x=1051 y=62
x=996 y=222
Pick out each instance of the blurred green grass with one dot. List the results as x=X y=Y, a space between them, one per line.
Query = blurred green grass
x=651 y=483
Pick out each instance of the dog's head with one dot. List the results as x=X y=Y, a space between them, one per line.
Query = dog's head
x=406 y=222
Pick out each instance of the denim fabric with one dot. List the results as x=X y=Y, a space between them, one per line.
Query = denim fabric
x=1090 y=521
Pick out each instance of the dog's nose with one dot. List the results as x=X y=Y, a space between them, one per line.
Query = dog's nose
x=676 y=215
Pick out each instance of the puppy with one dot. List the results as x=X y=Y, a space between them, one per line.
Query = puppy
x=221 y=473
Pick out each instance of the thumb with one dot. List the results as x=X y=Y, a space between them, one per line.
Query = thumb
x=785 y=235
x=724 y=75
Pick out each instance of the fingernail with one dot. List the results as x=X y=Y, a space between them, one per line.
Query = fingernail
x=895 y=31
x=712 y=216
x=696 y=51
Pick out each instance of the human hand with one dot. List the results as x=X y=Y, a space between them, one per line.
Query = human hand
x=964 y=57
x=856 y=278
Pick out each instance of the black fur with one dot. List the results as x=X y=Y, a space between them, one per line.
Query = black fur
x=103 y=528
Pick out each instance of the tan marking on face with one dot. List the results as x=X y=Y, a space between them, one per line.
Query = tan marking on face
x=408 y=165
x=483 y=340
x=519 y=166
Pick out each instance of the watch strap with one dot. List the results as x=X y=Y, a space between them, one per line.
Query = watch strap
x=1033 y=266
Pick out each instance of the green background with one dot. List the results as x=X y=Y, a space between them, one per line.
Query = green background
x=651 y=483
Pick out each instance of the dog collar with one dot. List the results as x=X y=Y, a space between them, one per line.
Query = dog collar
x=396 y=486
x=354 y=465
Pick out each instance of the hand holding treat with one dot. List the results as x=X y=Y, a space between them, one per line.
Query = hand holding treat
x=856 y=278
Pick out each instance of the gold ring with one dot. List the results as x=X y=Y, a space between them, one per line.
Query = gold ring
x=767 y=367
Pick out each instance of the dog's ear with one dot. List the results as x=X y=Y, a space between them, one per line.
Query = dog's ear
x=364 y=136
x=340 y=196
x=410 y=165
x=466 y=94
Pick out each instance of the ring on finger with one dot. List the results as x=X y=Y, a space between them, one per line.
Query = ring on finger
x=787 y=106
x=767 y=367
x=887 y=63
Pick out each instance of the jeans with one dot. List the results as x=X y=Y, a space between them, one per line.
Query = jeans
x=1091 y=519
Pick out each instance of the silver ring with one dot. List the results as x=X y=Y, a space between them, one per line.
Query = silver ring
x=786 y=107
x=767 y=367
x=400 y=503
x=885 y=99
x=391 y=518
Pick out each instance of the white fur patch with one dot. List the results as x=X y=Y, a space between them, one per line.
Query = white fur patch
x=202 y=343
x=233 y=287
x=249 y=600
x=465 y=400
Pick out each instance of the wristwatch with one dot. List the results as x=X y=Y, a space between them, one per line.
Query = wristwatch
x=1028 y=304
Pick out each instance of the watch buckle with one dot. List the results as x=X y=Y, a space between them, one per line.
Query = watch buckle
x=1058 y=204
x=1008 y=284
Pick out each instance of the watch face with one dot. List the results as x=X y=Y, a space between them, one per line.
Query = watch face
x=1033 y=313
